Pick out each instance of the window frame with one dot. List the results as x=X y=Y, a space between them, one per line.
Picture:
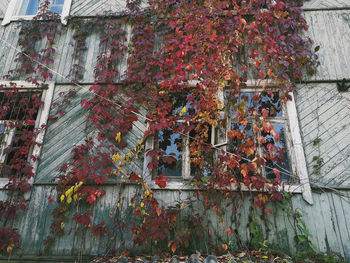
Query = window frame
x=14 y=6
x=151 y=143
x=293 y=141
x=41 y=120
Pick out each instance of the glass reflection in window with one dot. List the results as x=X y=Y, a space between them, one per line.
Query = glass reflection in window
x=276 y=153
x=170 y=163
x=29 y=7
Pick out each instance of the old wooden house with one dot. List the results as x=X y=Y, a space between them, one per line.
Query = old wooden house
x=319 y=132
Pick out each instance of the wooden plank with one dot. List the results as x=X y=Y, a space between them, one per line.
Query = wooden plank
x=320 y=124
x=342 y=222
x=84 y=8
x=12 y=38
x=332 y=229
x=90 y=58
x=50 y=168
x=64 y=57
x=325 y=4
x=330 y=30
x=317 y=97
x=3 y=7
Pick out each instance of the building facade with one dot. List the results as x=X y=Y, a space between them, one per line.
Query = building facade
x=319 y=128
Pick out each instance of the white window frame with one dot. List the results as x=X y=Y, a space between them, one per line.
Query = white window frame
x=293 y=140
x=294 y=144
x=150 y=144
x=13 y=9
x=41 y=120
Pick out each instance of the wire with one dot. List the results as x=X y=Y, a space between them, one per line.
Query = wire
x=137 y=114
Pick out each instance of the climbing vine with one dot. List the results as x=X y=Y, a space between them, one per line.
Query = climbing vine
x=187 y=65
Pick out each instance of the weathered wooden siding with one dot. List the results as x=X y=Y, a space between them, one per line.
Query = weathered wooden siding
x=325 y=4
x=331 y=31
x=63 y=56
x=327 y=221
x=91 y=8
x=3 y=7
x=324 y=114
x=72 y=129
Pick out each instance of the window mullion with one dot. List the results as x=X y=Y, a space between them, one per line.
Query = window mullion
x=7 y=140
x=150 y=144
x=186 y=160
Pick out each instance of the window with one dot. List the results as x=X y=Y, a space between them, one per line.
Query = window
x=282 y=148
x=174 y=150
x=275 y=151
x=21 y=113
x=27 y=9
x=173 y=145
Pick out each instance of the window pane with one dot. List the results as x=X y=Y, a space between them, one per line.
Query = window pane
x=245 y=102
x=271 y=102
x=19 y=106
x=29 y=7
x=2 y=136
x=250 y=101
x=170 y=164
x=20 y=109
x=276 y=153
x=57 y=6
x=180 y=101
x=203 y=165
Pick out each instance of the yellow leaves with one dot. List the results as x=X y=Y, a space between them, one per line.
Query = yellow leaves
x=250 y=151
x=69 y=193
x=62 y=225
x=9 y=248
x=128 y=157
x=182 y=206
x=183 y=111
x=116 y=157
x=118 y=137
x=122 y=160
x=77 y=186
x=147 y=192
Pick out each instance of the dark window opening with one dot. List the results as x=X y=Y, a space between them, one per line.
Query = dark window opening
x=18 y=114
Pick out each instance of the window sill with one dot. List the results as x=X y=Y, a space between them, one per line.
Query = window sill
x=11 y=13
x=31 y=17
x=18 y=18
x=182 y=185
